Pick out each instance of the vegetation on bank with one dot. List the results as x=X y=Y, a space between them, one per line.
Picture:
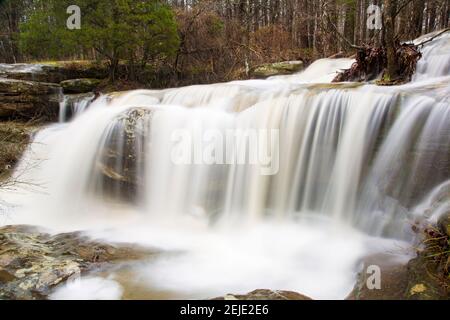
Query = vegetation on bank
x=174 y=42
x=14 y=139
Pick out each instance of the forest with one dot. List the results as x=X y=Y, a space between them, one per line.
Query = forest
x=206 y=41
x=217 y=150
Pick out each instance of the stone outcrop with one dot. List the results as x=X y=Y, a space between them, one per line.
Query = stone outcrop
x=28 y=100
x=83 y=85
x=54 y=72
x=393 y=279
x=33 y=263
x=264 y=294
x=120 y=163
x=425 y=277
x=277 y=69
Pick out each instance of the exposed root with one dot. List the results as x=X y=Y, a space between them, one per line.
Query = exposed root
x=372 y=61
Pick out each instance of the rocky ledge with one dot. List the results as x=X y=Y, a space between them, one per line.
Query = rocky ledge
x=54 y=72
x=277 y=69
x=83 y=85
x=33 y=263
x=264 y=294
x=28 y=100
x=425 y=277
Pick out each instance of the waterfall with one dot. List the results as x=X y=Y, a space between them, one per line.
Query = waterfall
x=72 y=106
x=352 y=156
x=436 y=60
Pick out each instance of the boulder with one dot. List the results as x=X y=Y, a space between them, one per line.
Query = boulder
x=264 y=294
x=393 y=278
x=54 y=72
x=28 y=100
x=120 y=163
x=277 y=69
x=420 y=278
x=79 y=85
x=33 y=263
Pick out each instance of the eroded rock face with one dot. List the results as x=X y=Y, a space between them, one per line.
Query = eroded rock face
x=28 y=100
x=33 y=263
x=277 y=69
x=264 y=294
x=393 y=279
x=54 y=72
x=424 y=277
x=83 y=85
x=121 y=162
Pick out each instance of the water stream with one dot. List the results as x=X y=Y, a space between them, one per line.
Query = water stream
x=349 y=168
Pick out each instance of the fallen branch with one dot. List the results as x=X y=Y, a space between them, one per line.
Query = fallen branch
x=433 y=37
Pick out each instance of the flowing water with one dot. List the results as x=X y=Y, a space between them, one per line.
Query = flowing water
x=347 y=168
x=72 y=106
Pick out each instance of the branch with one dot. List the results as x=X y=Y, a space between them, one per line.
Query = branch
x=351 y=45
x=433 y=37
x=402 y=6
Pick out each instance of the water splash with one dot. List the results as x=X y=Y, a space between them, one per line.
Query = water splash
x=357 y=159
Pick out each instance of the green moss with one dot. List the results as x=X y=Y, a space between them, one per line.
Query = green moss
x=80 y=85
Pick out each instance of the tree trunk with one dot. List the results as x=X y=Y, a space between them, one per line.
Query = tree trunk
x=417 y=18
x=390 y=11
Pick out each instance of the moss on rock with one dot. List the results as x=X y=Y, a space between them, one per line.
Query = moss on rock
x=80 y=85
x=276 y=69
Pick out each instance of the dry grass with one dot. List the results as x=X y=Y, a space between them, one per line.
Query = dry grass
x=14 y=138
x=437 y=256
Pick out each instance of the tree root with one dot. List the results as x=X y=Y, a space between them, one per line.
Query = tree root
x=372 y=61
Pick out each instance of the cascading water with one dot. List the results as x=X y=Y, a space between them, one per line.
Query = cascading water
x=352 y=165
x=72 y=106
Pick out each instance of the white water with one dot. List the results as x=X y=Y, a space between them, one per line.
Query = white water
x=355 y=163
x=20 y=68
x=72 y=106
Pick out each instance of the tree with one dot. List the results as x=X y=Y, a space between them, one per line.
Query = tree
x=135 y=31
x=389 y=40
x=10 y=14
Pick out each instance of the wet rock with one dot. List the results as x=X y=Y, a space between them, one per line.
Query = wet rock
x=277 y=69
x=54 y=72
x=264 y=294
x=425 y=282
x=33 y=263
x=393 y=279
x=28 y=100
x=79 y=85
x=417 y=279
x=444 y=224
x=75 y=104
x=121 y=162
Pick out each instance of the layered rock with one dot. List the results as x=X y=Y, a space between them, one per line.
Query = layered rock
x=83 y=85
x=28 y=100
x=264 y=294
x=33 y=263
x=54 y=72
x=277 y=69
